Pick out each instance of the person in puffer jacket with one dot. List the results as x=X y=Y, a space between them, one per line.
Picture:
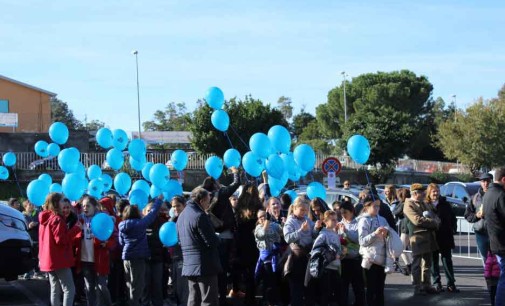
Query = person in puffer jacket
x=55 y=249
x=133 y=238
x=373 y=230
x=492 y=274
x=330 y=283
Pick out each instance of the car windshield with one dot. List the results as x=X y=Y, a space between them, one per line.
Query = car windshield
x=472 y=188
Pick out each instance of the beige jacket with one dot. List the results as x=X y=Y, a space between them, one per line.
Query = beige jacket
x=423 y=230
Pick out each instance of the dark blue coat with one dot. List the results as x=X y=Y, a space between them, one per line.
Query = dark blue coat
x=198 y=242
x=132 y=234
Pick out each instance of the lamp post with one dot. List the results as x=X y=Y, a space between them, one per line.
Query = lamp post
x=345 y=98
x=136 y=53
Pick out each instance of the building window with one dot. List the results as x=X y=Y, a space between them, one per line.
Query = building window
x=4 y=106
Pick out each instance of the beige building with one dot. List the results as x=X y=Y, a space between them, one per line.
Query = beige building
x=31 y=104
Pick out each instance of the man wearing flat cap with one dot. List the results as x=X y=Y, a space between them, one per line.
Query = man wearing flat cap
x=422 y=224
x=473 y=214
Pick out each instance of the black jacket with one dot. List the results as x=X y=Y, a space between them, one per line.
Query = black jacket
x=222 y=208
x=494 y=213
x=448 y=224
x=158 y=253
x=479 y=225
x=402 y=224
x=199 y=243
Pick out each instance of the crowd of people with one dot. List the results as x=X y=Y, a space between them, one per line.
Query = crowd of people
x=235 y=240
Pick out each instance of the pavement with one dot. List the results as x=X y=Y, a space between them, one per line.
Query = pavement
x=399 y=291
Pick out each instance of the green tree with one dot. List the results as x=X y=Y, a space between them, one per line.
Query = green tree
x=285 y=107
x=312 y=136
x=247 y=117
x=175 y=117
x=300 y=121
x=93 y=125
x=62 y=113
x=474 y=136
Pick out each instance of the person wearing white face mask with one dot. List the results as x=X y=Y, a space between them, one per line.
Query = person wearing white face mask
x=445 y=239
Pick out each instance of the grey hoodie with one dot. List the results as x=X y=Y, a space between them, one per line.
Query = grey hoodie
x=266 y=239
x=372 y=246
x=293 y=232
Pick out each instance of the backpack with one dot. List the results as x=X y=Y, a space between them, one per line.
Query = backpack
x=319 y=259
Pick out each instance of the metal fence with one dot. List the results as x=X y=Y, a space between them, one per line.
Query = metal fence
x=466 y=246
x=30 y=161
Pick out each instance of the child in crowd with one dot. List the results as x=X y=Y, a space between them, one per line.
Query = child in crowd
x=180 y=283
x=31 y=214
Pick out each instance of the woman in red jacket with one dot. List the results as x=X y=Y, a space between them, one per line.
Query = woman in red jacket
x=55 y=250
x=92 y=256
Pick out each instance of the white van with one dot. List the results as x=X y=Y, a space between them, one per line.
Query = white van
x=16 y=247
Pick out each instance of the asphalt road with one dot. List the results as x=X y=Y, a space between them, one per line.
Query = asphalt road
x=399 y=291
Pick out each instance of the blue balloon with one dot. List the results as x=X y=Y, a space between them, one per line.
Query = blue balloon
x=292 y=194
x=171 y=189
x=275 y=166
x=142 y=185
x=280 y=138
x=260 y=145
x=146 y=170
x=115 y=159
x=168 y=234
x=179 y=160
x=358 y=148
x=80 y=170
x=4 y=173
x=55 y=187
x=37 y=192
x=53 y=149
x=154 y=191
x=95 y=188
x=41 y=148
x=220 y=120
x=214 y=166
x=73 y=186
x=232 y=158
x=46 y=178
x=58 y=133
x=120 y=140
x=9 y=159
x=106 y=182
x=94 y=172
x=159 y=175
x=316 y=190
x=276 y=185
x=68 y=159
x=295 y=176
x=104 y=138
x=305 y=157
x=137 y=149
x=102 y=226
x=289 y=164
x=253 y=164
x=138 y=197
x=122 y=183
x=137 y=165
x=215 y=98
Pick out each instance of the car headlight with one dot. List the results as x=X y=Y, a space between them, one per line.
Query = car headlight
x=12 y=222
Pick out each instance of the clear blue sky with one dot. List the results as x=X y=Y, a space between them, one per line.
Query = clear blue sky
x=82 y=49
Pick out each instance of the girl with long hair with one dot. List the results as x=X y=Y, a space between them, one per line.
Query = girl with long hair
x=55 y=249
x=402 y=195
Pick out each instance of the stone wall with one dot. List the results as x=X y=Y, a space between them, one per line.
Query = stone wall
x=25 y=142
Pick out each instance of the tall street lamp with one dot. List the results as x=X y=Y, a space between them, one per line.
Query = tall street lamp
x=455 y=107
x=345 y=98
x=136 y=53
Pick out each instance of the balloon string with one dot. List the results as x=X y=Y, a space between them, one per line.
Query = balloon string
x=228 y=138
x=368 y=183
x=17 y=182
x=245 y=144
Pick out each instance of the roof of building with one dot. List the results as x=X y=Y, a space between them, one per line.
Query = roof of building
x=52 y=94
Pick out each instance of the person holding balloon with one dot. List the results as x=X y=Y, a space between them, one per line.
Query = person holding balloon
x=55 y=249
x=178 y=204
x=299 y=233
x=156 y=262
x=92 y=254
x=133 y=238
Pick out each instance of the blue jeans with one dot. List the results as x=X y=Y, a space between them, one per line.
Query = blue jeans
x=500 y=290
x=482 y=245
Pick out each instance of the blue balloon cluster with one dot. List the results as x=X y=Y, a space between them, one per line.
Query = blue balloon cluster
x=168 y=234
x=358 y=148
x=102 y=226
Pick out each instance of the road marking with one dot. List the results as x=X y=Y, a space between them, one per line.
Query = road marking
x=34 y=299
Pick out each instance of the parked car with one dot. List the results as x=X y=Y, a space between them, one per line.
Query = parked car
x=459 y=195
x=338 y=194
x=16 y=247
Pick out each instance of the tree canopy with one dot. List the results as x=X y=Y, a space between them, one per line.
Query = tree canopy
x=473 y=136
x=247 y=116
x=175 y=117
x=62 y=113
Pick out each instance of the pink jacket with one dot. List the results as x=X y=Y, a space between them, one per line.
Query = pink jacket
x=55 y=242
x=491 y=268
